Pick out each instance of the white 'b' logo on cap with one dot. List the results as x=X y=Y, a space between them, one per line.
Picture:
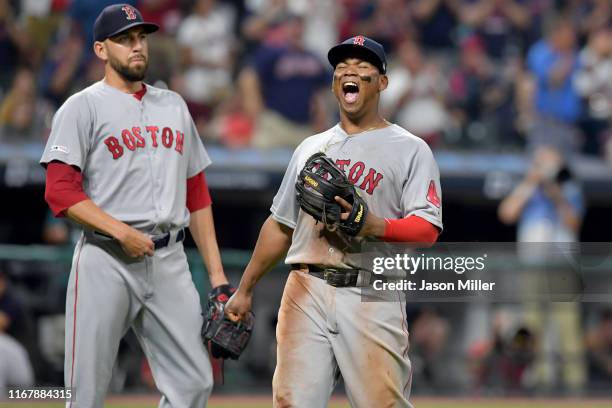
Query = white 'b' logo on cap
x=129 y=12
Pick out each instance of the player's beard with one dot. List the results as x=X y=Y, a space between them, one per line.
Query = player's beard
x=130 y=74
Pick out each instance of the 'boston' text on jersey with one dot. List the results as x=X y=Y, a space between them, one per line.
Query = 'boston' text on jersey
x=356 y=171
x=133 y=139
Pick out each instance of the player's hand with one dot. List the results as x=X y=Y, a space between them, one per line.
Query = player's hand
x=136 y=244
x=238 y=306
x=373 y=226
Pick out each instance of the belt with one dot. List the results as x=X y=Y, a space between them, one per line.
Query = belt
x=162 y=241
x=159 y=241
x=339 y=278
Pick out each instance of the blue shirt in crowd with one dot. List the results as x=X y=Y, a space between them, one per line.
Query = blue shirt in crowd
x=563 y=102
x=540 y=211
x=289 y=79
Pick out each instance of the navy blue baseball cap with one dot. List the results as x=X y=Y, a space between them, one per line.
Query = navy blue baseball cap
x=117 y=18
x=359 y=47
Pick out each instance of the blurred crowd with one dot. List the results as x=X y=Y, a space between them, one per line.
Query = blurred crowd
x=529 y=76
x=464 y=74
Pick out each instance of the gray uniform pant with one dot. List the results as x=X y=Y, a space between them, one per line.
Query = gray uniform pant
x=323 y=331
x=107 y=294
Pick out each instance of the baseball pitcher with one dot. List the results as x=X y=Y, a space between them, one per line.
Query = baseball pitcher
x=125 y=160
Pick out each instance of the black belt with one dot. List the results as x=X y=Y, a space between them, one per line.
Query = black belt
x=339 y=278
x=162 y=241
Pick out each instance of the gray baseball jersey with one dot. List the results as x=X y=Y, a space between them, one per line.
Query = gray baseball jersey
x=322 y=330
x=394 y=171
x=135 y=157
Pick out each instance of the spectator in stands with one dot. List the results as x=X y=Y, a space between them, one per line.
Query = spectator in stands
x=283 y=90
x=24 y=117
x=554 y=63
x=599 y=352
x=503 y=363
x=436 y=21
x=207 y=43
x=479 y=96
x=428 y=341
x=83 y=15
x=416 y=99
x=321 y=26
x=14 y=44
x=167 y=15
x=265 y=23
x=387 y=21
x=232 y=126
x=594 y=84
x=40 y=20
x=352 y=12
x=59 y=74
x=548 y=206
x=500 y=23
x=590 y=15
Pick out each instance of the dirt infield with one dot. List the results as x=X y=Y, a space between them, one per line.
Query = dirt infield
x=258 y=401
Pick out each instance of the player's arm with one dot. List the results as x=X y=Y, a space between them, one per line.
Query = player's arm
x=133 y=242
x=410 y=229
x=65 y=196
x=272 y=244
x=202 y=228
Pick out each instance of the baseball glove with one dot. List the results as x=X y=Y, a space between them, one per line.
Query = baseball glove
x=225 y=338
x=318 y=183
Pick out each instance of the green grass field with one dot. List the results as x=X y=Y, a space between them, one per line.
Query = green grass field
x=262 y=402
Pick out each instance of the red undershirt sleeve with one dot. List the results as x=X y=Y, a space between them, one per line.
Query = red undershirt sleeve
x=198 y=196
x=63 y=187
x=410 y=229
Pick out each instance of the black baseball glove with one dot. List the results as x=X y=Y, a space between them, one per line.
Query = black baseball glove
x=318 y=183
x=225 y=338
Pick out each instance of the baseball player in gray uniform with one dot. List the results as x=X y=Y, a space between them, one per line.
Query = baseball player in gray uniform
x=325 y=331
x=125 y=160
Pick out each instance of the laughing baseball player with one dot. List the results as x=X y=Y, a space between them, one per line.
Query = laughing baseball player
x=125 y=160
x=364 y=179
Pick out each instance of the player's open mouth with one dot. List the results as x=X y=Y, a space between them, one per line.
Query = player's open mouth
x=350 y=91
